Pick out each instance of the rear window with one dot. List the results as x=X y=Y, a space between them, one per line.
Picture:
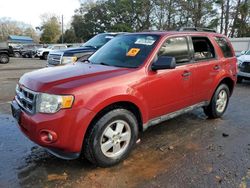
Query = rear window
x=224 y=46
x=203 y=49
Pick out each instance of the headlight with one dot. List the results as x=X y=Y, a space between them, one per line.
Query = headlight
x=47 y=103
x=66 y=60
x=17 y=87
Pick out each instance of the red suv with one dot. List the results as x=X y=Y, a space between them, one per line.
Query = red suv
x=137 y=80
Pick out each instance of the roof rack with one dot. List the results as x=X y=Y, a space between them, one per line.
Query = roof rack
x=197 y=29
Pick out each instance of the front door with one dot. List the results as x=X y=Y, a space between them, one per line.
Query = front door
x=171 y=90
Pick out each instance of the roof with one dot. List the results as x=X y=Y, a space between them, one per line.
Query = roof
x=168 y=33
x=20 y=39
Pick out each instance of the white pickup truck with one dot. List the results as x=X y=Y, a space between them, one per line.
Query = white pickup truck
x=42 y=53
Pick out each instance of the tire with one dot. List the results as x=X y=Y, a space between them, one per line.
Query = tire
x=45 y=56
x=17 y=54
x=221 y=95
x=239 y=79
x=4 y=58
x=102 y=141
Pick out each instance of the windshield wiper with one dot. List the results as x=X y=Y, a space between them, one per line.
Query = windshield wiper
x=106 y=64
x=85 y=61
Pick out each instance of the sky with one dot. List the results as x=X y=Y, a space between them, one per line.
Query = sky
x=30 y=11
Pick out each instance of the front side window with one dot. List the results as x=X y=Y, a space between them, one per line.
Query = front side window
x=125 y=50
x=176 y=47
x=224 y=46
x=56 y=48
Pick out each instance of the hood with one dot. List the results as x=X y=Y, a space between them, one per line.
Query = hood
x=41 y=49
x=68 y=77
x=244 y=58
x=70 y=51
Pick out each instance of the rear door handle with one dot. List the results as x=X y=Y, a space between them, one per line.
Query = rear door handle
x=186 y=74
x=216 y=67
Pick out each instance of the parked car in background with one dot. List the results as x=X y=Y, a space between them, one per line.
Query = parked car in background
x=30 y=50
x=243 y=66
x=6 y=52
x=62 y=57
x=17 y=50
x=98 y=107
x=42 y=53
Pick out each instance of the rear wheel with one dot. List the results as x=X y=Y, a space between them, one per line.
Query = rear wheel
x=4 y=58
x=111 y=138
x=219 y=102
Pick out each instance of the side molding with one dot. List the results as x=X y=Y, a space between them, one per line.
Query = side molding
x=173 y=114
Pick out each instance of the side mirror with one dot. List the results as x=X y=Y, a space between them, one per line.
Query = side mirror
x=164 y=62
x=243 y=52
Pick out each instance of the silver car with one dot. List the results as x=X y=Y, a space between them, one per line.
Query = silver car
x=243 y=66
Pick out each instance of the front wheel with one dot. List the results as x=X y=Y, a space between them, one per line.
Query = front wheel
x=17 y=54
x=219 y=102
x=111 y=138
x=4 y=58
x=45 y=56
x=239 y=79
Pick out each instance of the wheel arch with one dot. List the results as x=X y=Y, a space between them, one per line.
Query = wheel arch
x=5 y=53
x=229 y=82
x=128 y=105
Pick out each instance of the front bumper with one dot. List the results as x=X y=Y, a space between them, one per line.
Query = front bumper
x=70 y=125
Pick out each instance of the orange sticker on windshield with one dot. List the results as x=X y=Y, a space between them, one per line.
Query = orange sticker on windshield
x=133 y=52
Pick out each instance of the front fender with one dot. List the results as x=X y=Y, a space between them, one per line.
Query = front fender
x=110 y=96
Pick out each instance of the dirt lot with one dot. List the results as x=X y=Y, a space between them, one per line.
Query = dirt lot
x=188 y=151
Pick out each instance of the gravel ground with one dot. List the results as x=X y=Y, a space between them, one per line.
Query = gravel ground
x=187 y=151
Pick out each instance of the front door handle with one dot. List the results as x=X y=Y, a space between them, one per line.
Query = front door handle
x=186 y=74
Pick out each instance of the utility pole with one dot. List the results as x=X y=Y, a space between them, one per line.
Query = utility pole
x=62 y=29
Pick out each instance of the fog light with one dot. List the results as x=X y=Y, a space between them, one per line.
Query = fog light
x=48 y=136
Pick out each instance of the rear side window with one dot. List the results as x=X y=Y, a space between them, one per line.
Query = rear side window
x=56 y=48
x=224 y=46
x=203 y=49
x=176 y=47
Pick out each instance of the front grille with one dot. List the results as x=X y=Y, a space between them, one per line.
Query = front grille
x=54 y=59
x=26 y=99
x=245 y=67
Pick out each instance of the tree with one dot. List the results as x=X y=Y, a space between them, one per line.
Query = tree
x=50 y=29
x=230 y=17
x=69 y=36
x=12 y=27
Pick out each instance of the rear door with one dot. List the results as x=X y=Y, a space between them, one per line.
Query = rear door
x=208 y=66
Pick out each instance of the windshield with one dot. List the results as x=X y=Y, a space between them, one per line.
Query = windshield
x=247 y=53
x=125 y=51
x=98 y=40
